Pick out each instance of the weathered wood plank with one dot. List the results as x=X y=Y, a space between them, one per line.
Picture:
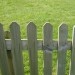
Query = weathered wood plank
x=72 y=71
x=39 y=44
x=7 y=36
x=47 y=42
x=16 y=49
x=62 y=48
x=3 y=54
x=32 y=47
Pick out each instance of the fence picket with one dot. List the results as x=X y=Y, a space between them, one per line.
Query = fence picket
x=47 y=42
x=32 y=47
x=7 y=36
x=11 y=60
x=62 y=46
x=3 y=54
x=72 y=71
x=16 y=49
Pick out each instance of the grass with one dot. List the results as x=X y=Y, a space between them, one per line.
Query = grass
x=38 y=11
x=40 y=62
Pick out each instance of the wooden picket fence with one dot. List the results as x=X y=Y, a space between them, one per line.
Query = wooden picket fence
x=11 y=60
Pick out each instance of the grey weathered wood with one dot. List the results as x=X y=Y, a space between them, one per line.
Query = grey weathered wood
x=62 y=48
x=32 y=47
x=72 y=71
x=7 y=36
x=3 y=54
x=39 y=44
x=47 y=42
x=16 y=49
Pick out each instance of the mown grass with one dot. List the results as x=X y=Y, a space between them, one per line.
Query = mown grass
x=38 y=11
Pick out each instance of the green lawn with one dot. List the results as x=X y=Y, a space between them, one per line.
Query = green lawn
x=40 y=12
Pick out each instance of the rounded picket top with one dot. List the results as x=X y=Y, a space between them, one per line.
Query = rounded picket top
x=63 y=26
x=48 y=28
x=63 y=30
x=31 y=30
x=31 y=25
x=47 y=24
x=14 y=24
x=48 y=32
x=62 y=33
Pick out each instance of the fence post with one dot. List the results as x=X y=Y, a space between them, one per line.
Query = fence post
x=7 y=36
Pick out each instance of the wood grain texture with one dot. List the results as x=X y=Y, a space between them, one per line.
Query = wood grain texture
x=39 y=44
x=16 y=49
x=62 y=48
x=47 y=42
x=32 y=47
x=3 y=54
x=7 y=36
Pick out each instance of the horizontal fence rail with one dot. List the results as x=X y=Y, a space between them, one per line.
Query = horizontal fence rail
x=39 y=44
x=11 y=47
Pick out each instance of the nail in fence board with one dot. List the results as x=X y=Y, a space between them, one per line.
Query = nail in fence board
x=3 y=54
x=32 y=47
x=16 y=49
x=47 y=42
x=62 y=46
x=72 y=71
